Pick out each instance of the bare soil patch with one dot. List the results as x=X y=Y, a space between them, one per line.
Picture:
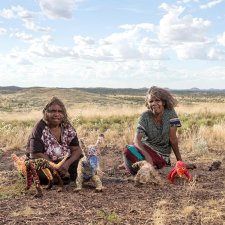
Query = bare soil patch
x=200 y=202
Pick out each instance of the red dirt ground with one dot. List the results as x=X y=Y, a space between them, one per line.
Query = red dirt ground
x=201 y=202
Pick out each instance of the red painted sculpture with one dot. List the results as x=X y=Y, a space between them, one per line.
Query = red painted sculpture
x=180 y=169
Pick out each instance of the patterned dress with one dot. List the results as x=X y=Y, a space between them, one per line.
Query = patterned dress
x=42 y=140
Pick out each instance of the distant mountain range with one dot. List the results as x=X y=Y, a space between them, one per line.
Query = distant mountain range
x=13 y=98
x=112 y=90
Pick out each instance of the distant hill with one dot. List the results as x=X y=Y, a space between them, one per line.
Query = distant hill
x=34 y=98
x=14 y=98
x=105 y=90
x=10 y=88
x=115 y=91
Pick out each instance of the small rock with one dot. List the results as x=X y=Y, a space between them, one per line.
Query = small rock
x=215 y=165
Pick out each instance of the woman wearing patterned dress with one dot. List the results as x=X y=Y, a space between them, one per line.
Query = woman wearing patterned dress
x=53 y=137
x=155 y=136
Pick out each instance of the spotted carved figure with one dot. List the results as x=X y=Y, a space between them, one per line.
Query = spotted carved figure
x=28 y=169
x=88 y=167
x=146 y=173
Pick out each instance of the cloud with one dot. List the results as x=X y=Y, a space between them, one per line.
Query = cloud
x=202 y=51
x=187 y=1
x=7 y=13
x=56 y=9
x=133 y=42
x=141 y=52
x=174 y=28
x=19 y=58
x=186 y=35
x=43 y=48
x=22 y=36
x=211 y=4
x=27 y=17
x=3 y=31
x=221 y=39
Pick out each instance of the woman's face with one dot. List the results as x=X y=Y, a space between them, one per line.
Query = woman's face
x=54 y=115
x=155 y=105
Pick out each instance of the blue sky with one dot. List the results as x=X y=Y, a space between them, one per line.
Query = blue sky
x=113 y=43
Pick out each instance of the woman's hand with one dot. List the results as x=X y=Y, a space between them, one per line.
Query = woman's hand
x=65 y=167
x=75 y=154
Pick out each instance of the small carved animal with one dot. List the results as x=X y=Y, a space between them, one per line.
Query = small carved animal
x=88 y=167
x=215 y=165
x=180 y=169
x=146 y=173
x=28 y=169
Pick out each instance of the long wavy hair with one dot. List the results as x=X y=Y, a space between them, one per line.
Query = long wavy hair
x=56 y=101
x=164 y=95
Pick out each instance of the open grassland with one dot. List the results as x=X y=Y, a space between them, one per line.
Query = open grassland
x=115 y=113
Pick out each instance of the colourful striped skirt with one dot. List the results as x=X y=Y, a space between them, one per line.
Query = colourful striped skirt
x=132 y=154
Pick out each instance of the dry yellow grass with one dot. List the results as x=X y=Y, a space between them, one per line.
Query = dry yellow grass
x=196 y=141
x=21 y=116
x=161 y=212
x=202 y=107
x=91 y=111
x=26 y=211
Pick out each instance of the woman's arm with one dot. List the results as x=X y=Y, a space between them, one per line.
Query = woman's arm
x=174 y=142
x=75 y=154
x=137 y=142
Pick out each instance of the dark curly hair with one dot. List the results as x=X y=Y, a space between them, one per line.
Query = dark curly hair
x=56 y=101
x=164 y=95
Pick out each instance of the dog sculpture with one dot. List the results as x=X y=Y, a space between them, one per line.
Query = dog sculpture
x=28 y=169
x=88 y=167
x=146 y=173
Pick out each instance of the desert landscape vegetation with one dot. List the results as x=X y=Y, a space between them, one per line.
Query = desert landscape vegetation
x=114 y=112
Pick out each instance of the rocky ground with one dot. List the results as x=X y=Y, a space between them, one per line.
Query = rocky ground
x=201 y=202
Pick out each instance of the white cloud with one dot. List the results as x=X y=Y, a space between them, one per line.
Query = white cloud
x=27 y=17
x=175 y=29
x=141 y=53
x=7 y=13
x=55 y=9
x=43 y=48
x=203 y=51
x=31 y=25
x=191 y=51
x=19 y=58
x=22 y=36
x=211 y=4
x=131 y=43
x=145 y=26
x=187 y=1
x=2 y=31
x=216 y=54
x=79 y=40
x=221 y=39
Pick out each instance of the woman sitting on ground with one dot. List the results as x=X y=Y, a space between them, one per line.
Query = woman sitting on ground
x=53 y=137
x=156 y=132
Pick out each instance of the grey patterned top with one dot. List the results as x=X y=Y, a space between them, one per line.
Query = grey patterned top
x=157 y=136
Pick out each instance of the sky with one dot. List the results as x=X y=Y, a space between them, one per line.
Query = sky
x=113 y=43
